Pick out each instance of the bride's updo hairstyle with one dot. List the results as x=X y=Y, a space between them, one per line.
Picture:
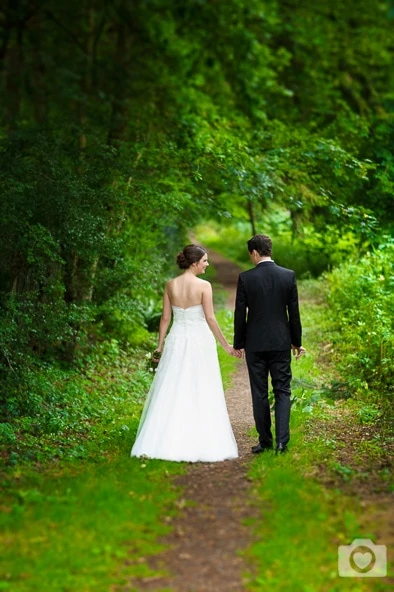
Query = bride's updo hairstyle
x=190 y=254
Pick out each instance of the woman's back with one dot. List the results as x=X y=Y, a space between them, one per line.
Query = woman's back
x=185 y=291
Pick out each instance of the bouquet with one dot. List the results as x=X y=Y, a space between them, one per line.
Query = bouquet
x=153 y=359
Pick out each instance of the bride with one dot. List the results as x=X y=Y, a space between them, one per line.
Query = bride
x=185 y=416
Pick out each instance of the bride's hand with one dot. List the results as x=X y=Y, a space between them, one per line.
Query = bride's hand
x=156 y=355
x=232 y=352
x=229 y=349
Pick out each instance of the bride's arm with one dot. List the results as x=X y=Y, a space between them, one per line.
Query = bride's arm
x=207 y=304
x=164 y=320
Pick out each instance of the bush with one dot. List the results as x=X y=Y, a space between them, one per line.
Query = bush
x=68 y=412
x=361 y=299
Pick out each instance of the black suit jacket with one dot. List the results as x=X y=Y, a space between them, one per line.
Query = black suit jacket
x=267 y=314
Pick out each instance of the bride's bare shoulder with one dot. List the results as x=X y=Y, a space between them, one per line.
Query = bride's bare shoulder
x=174 y=284
x=174 y=280
x=205 y=284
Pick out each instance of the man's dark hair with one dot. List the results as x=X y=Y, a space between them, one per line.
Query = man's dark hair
x=262 y=244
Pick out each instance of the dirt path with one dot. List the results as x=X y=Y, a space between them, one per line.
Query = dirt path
x=202 y=554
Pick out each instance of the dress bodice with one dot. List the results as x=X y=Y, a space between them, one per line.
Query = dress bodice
x=191 y=314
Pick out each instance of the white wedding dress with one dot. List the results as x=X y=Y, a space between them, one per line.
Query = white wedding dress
x=185 y=415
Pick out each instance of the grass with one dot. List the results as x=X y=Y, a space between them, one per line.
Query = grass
x=228 y=363
x=72 y=530
x=301 y=528
x=71 y=527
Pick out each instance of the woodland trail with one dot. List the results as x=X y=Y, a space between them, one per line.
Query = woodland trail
x=203 y=548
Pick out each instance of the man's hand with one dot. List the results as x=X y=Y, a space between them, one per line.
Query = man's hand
x=233 y=352
x=240 y=353
x=298 y=351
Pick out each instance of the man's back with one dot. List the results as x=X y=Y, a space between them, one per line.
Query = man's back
x=269 y=294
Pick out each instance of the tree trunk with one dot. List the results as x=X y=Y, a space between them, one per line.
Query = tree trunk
x=87 y=81
x=117 y=125
x=12 y=77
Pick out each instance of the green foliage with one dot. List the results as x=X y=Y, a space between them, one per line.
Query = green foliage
x=369 y=413
x=228 y=363
x=72 y=414
x=308 y=255
x=361 y=299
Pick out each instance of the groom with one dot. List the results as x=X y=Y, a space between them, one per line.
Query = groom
x=267 y=327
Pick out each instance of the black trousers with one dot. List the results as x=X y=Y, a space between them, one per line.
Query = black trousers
x=277 y=364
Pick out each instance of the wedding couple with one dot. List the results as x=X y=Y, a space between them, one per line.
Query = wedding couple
x=185 y=415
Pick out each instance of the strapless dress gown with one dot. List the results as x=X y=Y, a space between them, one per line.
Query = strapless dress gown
x=185 y=415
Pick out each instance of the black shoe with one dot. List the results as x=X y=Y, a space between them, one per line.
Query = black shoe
x=281 y=449
x=260 y=448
